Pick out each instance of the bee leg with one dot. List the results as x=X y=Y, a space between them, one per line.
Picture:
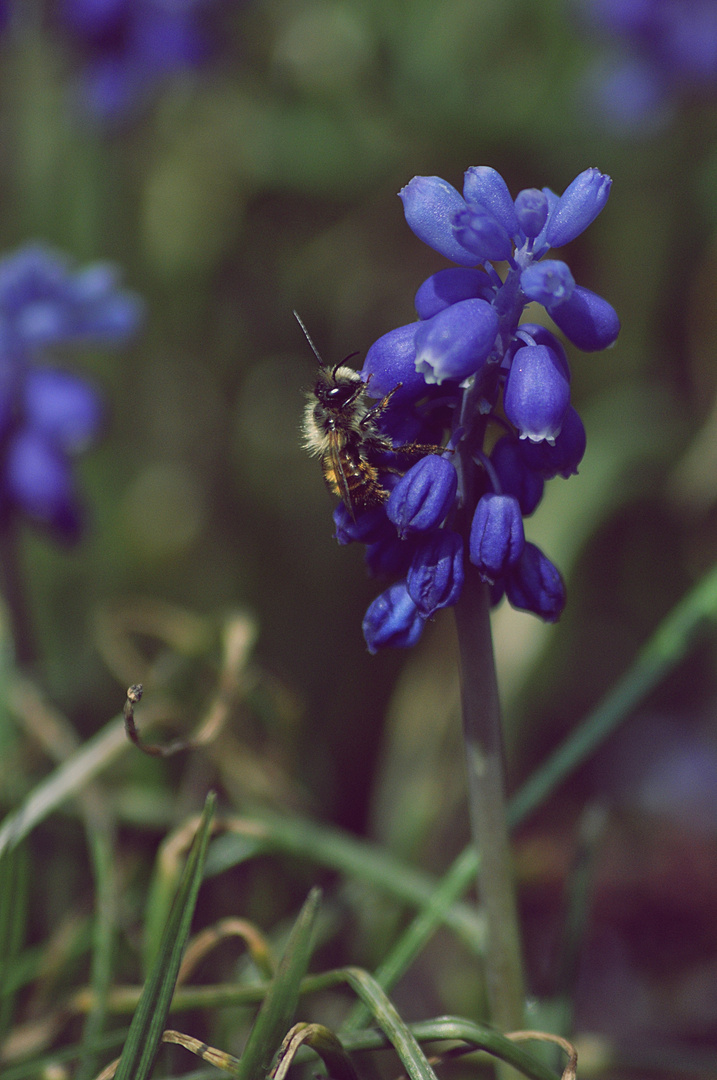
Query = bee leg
x=421 y=448
x=380 y=406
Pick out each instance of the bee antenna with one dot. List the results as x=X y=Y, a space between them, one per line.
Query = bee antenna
x=308 y=337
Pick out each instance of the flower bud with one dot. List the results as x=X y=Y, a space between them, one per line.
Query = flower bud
x=65 y=408
x=548 y=282
x=455 y=342
x=531 y=207
x=112 y=320
x=542 y=336
x=497 y=538
x=392 y=360
x=578 y=206
x=39 y=480
x=537 y=394
x=480 y=232
x=392 y=619
x=43 y=322
x=563 y=458
x=587 y=320
x=515 y=477
x=534 y=584
x=447 y=287
x=485 y=186
x=430 y=205
x=423 y=496
x=435 y=576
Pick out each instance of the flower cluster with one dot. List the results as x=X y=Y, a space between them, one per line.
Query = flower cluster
x=662 y=48
x=131 y=44
x=470 y=366
x=48 y=415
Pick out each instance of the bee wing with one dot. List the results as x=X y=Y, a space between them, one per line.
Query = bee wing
x=339 y=472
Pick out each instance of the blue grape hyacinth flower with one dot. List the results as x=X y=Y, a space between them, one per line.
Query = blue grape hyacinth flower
x=499 y=388
x=49 y=415
x=656 y=53
x=129 y=46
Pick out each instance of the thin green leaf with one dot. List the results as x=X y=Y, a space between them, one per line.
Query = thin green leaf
x=476 y=1037
x=13 y=909
x=278 y=1007
x=388 y=1019
x=101 y=847
x=66 y=780
x=150 y=1017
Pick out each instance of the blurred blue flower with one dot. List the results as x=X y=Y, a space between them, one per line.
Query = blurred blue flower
x=130 y=45
x=468 y=366
x=48 y=415
x=661 y=50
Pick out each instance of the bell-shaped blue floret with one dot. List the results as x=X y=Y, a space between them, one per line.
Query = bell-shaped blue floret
x=578 y=206
x=392 y=360
x=38 y=476
x=65 y=408
x=587 y=320
x=480 y=232
x=535 y=584
x=497 y=538
x=563 y=458
x=423 y=496
x=430 y=205
x=540 y=335
x=392 y=620
x=537 y=394
x=447 y=287
x=485 y=186
x=515 y=477
x=548 y=282
x=435 y=576
x=455 y=343
x=531 y=207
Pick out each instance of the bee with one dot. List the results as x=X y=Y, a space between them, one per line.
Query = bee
x=341 y=427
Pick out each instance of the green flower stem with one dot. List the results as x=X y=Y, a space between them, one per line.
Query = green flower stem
x=483 y=738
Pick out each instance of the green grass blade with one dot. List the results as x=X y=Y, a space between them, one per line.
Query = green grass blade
x=388 y=1019
x=278 y=1007
x=150 y=1017
x=66 y=780
x=664 y=650
x=103 y=930
x=455 y=1028
x=13 y=909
